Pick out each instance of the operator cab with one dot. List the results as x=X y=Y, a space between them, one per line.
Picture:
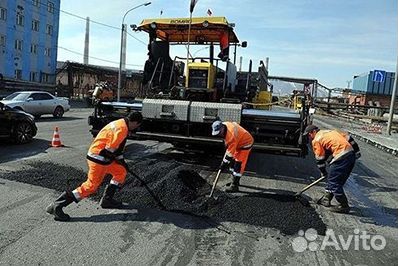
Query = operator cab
x=193 y=78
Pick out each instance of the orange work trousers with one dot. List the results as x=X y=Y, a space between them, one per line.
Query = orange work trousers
x=242 y=156
x=96 y=174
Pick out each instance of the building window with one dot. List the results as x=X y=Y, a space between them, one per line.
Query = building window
x=33 y=76
x=20 y=19
x=2 y=40
x=35 y=2
x=45 y=78
x=18 y=45
x=47 y=51
x=35 y=25
x=33 y=48
x=18 y=73
x=3 y=13
x=49 y=29
x=50 y=7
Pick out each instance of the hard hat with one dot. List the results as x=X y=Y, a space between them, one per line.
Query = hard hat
x=216 y=126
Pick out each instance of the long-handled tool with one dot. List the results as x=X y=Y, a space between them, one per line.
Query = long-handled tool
x=157 y=200
x=215 y=183
x=309 y=186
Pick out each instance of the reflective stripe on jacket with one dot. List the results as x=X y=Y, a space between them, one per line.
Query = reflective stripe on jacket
x=109 y=143
x=330 y=141
x=237 y=138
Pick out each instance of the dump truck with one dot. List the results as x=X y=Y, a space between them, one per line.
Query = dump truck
x=183 y=95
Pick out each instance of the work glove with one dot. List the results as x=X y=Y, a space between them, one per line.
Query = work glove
x=226 y=162
x=224 y=166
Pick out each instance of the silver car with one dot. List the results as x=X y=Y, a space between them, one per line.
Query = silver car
x=37 y=103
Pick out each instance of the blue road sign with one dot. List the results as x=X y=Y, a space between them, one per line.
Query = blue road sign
x=379 y=75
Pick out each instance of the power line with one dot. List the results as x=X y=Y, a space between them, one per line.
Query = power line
x=141 y=41
x=92 y=21
x=73 y=15
x=105 y=60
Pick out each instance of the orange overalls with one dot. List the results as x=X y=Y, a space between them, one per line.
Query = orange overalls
x=106 y=148
x=239 y=143
x=335 y=143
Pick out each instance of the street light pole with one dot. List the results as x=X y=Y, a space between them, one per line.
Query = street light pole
x=122 y=60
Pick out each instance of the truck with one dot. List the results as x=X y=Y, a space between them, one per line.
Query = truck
x=182 y=96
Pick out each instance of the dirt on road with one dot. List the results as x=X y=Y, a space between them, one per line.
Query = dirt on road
x=181 y=189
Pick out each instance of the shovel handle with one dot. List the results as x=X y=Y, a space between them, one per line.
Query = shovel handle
x=215 y=183
x=311 y=185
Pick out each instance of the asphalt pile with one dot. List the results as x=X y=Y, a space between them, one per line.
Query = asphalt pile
x=180 y=188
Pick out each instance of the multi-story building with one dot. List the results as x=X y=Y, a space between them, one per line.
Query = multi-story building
x=28 y=41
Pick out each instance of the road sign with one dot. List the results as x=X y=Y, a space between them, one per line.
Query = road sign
x=379 y=75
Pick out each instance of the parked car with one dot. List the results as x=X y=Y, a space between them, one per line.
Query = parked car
x=37 y=103
x=16 y=125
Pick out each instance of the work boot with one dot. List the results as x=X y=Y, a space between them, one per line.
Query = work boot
x=107 y=200
x=325 y=199
x=343 y=206
x=234 y=187
x=55 y=208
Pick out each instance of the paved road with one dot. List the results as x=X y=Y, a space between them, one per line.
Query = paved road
x=150 y=236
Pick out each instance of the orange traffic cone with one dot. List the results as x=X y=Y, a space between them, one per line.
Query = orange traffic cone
x=56 y=142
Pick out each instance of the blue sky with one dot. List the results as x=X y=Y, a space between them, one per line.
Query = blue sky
x=323 y=39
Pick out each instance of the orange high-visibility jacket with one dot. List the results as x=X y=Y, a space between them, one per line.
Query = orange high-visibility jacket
x=237 y=138
x=330 y=141
x=109 y=143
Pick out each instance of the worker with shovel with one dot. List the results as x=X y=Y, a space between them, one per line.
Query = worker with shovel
x=105 y=156
x=238 y=143
x=339 y=147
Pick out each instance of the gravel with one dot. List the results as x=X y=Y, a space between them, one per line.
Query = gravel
x=180 y=188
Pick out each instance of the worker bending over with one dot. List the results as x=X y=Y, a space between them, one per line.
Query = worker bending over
x=105 y=156
x=238 y=143
x=341 y=150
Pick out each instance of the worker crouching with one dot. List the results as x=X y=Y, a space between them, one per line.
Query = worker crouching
x=238 y=144
x=342 y=151
x=105 y=156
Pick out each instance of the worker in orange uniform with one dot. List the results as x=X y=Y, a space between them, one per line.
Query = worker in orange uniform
x=238 y=143
x=342 y=151
x=105 y=156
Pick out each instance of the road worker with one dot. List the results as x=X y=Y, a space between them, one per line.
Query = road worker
x=238 y=144
x=341 y=151
x=105 y=156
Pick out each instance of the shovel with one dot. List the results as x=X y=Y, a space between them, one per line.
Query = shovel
x=298 y=194
x=215 y=183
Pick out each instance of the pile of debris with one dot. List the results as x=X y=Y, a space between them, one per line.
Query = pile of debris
x=180 y=188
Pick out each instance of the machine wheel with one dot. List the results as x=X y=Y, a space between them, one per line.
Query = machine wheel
x=23 y=133
x=58 y=112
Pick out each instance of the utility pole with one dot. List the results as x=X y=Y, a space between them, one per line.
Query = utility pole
x=86 y=42
x=122 y=62
x=392 y=105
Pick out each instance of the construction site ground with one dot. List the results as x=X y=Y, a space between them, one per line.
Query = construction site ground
x=262 y=224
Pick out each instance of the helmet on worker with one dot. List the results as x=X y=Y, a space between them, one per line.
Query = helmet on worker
x=218 y=128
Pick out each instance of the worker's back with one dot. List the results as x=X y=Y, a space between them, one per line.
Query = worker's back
x=333 y=141
x=112 y=137
x=237 y=133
